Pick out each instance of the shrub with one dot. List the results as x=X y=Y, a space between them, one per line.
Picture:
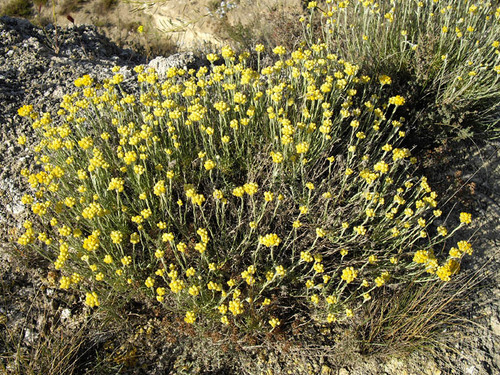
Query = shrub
x=235 y=195
x=238 y=200
x=444 y=54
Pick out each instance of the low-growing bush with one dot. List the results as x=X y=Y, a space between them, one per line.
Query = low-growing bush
x=443 y=54
x=250 y=202
x=236 y=197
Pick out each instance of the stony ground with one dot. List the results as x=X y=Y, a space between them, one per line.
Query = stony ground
x=38 y=67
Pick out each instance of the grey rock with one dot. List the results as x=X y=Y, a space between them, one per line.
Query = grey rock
x=65 y=314
x=185 y=60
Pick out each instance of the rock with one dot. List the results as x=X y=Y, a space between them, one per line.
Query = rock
x=29 y=336
x=65 y=314
x=185 y=60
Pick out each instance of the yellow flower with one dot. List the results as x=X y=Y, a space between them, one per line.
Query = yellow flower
x=22 y=140
x=450 y=268
x=150 y=282
x=268 y=196
x=320 y=232
x=259 y=48
x=212 y=57
x=455 y=253
x=381 y=166
x=201 y=247
x=194 y=290
x=236 y=306
x=280 y=270
x=116 y=236
x=384 y=79
x=360 y=229
x=277 y=157
x=176 y=285
x=349 y=274
x=91 y=299
x=166 y=237
x=159 y=188
x=302 y=147
x=382 y=279
x=25 y=110
x=190 y=272
x=126 y=260
x=465 y=218
x=190 y=317
x=209 y=164
x=319 y=268
x=442 y=231
x=182 y=247
x=315 y=299
x=217 y=194
x=251 y=188
x=306 y=256
x=274 y=322
x=270 y=240
x=239 y=191
x=465 y=247
x=312 y=4
x=397 y=100
x=227 y=52
x=279 y=50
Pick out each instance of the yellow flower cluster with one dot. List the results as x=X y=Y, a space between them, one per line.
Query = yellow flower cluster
x=270 y=240
x=92 y=299
x=349 y=274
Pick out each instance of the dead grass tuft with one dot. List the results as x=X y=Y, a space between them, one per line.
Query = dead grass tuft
x=17 y=8
x=400 y=321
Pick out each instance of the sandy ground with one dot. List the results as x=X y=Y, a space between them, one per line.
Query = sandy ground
x=193 y=23
x=189 y=25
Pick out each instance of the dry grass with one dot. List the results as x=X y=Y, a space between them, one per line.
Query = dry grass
x=69 y=6
x=17 y=8
x=416 y=316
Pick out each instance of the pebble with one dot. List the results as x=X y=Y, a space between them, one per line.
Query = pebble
x=65 y=314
